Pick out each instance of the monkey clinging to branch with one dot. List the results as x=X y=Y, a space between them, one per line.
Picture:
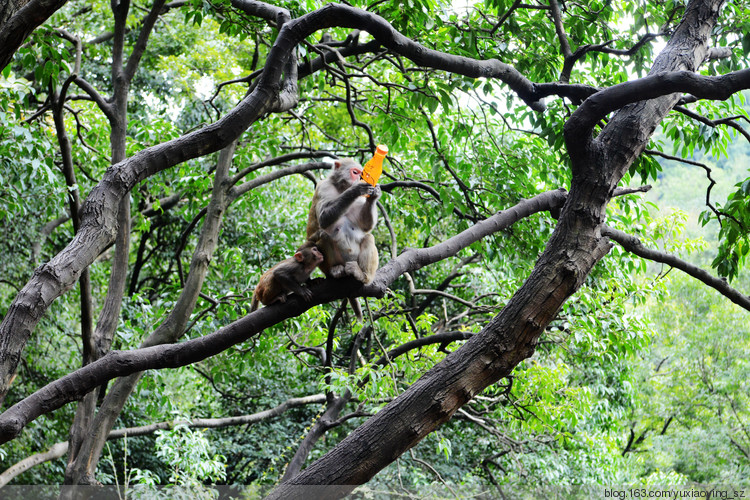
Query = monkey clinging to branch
x=340 y=221
x=287 y=275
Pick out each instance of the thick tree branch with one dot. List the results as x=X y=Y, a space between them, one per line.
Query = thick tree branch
x=596 y=107
x=123 y=363
x=413 y=259
x=341 y=15
x=263 y=10
x=24 y=21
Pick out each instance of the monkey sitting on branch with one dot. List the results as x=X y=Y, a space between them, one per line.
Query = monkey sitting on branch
x=342 y=215
x=287 y=276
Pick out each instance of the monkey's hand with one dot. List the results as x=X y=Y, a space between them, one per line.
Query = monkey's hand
x=337 y=271
x=306 y=294
x=362 y=188
x=374 y=194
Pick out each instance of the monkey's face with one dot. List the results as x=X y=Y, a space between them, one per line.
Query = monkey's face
x=346 y=173
x=317 y=255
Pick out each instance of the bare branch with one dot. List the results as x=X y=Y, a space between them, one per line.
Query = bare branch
x=613 y=98
x=505 y=16
x=729 y=121
x=633 y=244
x=438 y=338
x=58 y=450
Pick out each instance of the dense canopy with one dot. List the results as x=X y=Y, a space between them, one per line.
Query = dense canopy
x=561 y=296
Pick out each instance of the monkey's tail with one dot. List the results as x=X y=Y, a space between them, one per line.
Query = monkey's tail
x=254 y=303
x=355 y=308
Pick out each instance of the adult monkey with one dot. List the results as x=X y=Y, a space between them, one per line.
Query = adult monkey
x=345 y=219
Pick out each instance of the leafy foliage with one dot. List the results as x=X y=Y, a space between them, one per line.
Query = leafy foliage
x=612 y=395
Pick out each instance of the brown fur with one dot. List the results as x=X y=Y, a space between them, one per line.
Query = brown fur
x=287 y=276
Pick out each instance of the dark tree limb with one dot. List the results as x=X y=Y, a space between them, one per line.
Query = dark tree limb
x=505 y=16
x=560 y=29
x=596 y=107
x=438 y=338
x=263 y=10
x=277 y=161
x=388 y=187
x=729 y=121
x=633 y=244
x=711 y=182
x=10 y=7
x=22 y=23
x=341 y=15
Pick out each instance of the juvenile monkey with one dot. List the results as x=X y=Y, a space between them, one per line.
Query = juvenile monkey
x=287 y=275
x=340 y=221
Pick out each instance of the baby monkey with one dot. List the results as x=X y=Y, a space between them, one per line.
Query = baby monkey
x=287 y=276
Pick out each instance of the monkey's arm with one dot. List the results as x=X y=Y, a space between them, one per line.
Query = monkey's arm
x=330 y=210
x=368 y=216
x=285 y=278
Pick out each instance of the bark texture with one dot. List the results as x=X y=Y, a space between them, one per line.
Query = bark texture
x=18 y=18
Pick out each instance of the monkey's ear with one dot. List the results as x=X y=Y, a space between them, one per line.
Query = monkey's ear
x=336 y=164
x=298 y=257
